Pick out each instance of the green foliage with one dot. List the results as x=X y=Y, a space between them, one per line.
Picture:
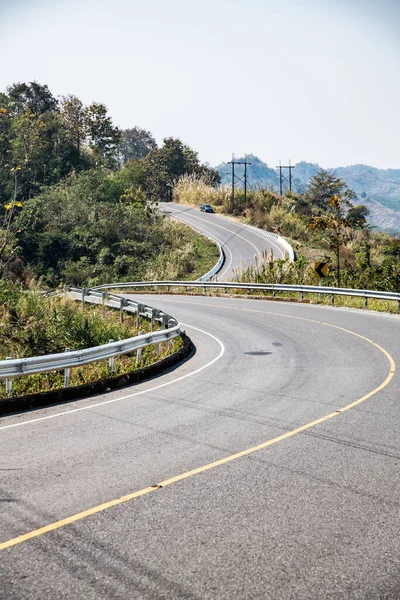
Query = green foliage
x=103 y=137
x=68 y=231
x=324 y=186
x=72 y=114
x=333 y=228
x=185 y=255
x=356 y=216
x=136 y=144
x=33 y=325
x=164 y=166
x=31 y=97
x=67 y=214
x=46 y=139
x=97 y=226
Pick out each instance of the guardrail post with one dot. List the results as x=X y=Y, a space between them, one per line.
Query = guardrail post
x=365 y=301
x=9 y=382
x=139 y=352
x=399 y=305
x=139 y=309
x=67 y=372
x=84 y=293
x=103 y=304
x=170 y=324
x=121 y=310
x=159 y=350
x=137 y=316
x=111 y=361
x=152 y=319
x=333 y=299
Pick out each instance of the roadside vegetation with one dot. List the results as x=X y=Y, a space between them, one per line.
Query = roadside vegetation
x=78 y=196
x=78 y=206
x=325 y=223
x=32 y=325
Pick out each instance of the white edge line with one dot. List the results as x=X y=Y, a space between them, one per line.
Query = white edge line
x=224 y=268
x=157 y=387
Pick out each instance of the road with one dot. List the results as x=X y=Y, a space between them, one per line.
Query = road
x=242 y=246
x=269 y=489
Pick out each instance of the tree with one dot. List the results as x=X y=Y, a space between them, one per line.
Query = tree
x=136 y=143
x=333 y=227
x=209 y=175
x=357 y=216
x=324 y=186
x=163 y=167
x=5 y=150
x=9 y=227
x=104 y=137
x=32 y=97
x=73 y=117
x=40 y=146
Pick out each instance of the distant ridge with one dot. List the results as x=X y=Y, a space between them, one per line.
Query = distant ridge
x=378 y=189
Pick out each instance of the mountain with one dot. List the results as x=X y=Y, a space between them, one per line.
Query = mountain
x=378 y=189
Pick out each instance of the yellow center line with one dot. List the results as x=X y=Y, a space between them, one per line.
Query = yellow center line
x=147 y=490
x=226 y=229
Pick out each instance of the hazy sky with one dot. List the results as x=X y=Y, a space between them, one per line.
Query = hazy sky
x=308 y=80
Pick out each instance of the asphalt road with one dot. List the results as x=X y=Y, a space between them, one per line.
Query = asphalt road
x=312 y=513
x=242 y=246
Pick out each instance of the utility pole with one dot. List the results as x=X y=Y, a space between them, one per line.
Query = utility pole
x=233 y=182
x=236 y=178
x=245 y=182
x=283 y=178
x=280 y=177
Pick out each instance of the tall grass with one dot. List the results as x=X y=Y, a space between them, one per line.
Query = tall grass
x=32 y=325
x=194 y=190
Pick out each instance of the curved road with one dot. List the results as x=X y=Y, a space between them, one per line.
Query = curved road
x=237 y=475
x=242 y=246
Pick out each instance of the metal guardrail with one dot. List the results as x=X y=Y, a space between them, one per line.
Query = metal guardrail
x=271 y=287
x=12 y=368
x=275 y=237
x=218 y=266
